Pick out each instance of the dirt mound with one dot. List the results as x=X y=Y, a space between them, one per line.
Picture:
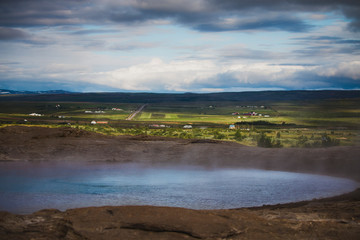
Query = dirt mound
x=320 y=219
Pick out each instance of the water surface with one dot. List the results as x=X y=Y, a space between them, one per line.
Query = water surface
x=28 y=187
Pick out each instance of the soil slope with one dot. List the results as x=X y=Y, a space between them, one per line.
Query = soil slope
x=68 y=144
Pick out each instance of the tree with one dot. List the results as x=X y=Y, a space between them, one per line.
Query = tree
x=264 y=141
x=278 y=135
x=238 y=136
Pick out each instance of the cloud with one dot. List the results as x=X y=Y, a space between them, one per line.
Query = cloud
x=241 y=52
x=193 y=44
x=132 y=46
x=183 y=76
x=349 y=70
x=353 y=14
x=213 y=15
x=326 y=48
x=22 y=13
x=45 y=84
x=328 y=40
x=12 y=34
x=158 y=75
x=283 y=23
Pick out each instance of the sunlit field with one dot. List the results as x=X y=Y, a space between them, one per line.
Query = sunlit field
x=296 y=123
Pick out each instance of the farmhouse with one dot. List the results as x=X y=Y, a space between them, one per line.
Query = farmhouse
x=99 y=122
x=35 y=114
x=250 y=114
x=158 y=126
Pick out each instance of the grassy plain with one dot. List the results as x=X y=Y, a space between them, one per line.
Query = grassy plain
x=287 y=123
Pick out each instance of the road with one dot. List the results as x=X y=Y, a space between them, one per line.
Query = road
x=133 y=114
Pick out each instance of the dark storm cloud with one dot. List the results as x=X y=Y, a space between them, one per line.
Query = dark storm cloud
x=12 y=34
x=350 y=8
x=198 y=14
x=284 y=4
x=29 y=13
x=315 y=81
x=299 y=80
x=354 y=16
x=45 y=84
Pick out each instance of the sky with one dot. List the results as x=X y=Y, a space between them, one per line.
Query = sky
x=179 y=46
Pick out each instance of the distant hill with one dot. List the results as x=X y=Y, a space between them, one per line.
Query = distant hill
x=181 y=97
x=5 y=92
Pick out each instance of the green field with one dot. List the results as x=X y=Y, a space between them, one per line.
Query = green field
x=279 y=123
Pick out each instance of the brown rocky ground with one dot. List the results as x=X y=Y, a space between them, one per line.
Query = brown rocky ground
x=331 y=218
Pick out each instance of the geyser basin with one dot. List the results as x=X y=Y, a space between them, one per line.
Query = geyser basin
x=28 y=187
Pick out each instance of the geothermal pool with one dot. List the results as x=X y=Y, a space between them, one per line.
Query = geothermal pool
x=28 y=187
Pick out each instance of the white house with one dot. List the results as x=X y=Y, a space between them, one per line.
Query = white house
x=35 y=114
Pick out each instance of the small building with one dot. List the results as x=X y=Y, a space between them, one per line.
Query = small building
x=266 y=116
x=187 y=127
x=250 y=114
x=36 y=114
x=232 y=126
x=93 y=122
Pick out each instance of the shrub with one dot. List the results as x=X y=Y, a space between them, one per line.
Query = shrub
x=218 y=135
x=267 y=142
x=238 y=136
x=264 y=141
x=327 y=141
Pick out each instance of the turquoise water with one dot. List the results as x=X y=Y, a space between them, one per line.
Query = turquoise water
x=28 y=187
